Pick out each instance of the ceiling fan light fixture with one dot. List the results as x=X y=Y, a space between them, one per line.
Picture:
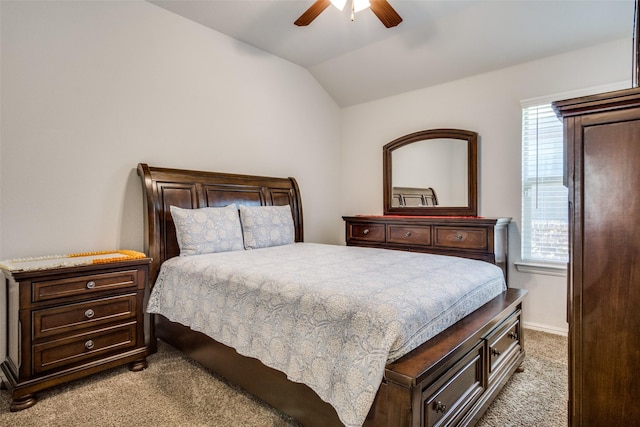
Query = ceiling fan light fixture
x=339 y=3
x=381 y=8
x=359 y=5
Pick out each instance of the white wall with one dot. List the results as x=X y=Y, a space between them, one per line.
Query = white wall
x=490 y=105
x=90 y=89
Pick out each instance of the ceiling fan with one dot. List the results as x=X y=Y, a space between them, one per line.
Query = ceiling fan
x=381 y=8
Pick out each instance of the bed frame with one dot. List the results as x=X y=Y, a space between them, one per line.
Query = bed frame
x=449 y=380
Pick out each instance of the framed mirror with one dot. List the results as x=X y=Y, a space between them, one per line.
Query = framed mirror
x=431 y=173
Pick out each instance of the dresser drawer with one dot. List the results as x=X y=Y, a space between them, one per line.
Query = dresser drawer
x=367 y=232
x=504 y=343
x=83 y=286
x=417 y=235
x=461 y=238
x=85 y=347
x=459 y=388
x=71 y=317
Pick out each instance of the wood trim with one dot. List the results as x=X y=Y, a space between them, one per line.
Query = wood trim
x=472 y=173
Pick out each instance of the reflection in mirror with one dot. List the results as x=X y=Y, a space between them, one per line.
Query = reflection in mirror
x=431 y=172
x=412 y=196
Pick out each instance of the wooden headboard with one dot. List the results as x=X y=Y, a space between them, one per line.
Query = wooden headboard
x=189 y=189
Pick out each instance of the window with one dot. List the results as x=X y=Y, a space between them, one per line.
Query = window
x=544 y=197
x=545 y=222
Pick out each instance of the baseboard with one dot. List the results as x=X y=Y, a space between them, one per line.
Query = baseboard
x=545 y=328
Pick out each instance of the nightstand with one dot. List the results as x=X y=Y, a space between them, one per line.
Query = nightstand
x=64 y=323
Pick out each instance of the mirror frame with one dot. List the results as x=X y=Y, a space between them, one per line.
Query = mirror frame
x=472 y=171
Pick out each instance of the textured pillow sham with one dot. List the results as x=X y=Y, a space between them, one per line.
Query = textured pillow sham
x=207 y=230
x=266 y=226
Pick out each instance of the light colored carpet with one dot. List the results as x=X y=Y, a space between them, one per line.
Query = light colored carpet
x=174 y=391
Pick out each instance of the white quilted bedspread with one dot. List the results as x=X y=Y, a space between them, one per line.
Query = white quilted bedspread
x=328 y=316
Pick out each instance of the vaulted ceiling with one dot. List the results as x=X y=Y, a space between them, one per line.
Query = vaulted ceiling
x=438 y=40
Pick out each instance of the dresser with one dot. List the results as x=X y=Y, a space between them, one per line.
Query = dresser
x=479 y=238
x=69 y=322
x=602 y=142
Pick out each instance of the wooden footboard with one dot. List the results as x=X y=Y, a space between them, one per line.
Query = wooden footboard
x=452 y=378
x=449 y=380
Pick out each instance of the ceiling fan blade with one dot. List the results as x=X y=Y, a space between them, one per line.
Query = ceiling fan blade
x=385 y=13
x=312 y=13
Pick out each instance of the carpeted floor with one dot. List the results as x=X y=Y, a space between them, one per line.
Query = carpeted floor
x=174 y=391
x=538 y=396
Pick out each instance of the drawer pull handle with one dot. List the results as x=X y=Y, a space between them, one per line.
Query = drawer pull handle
x=513 y=336
x=91 y=284
x=458 y=236
x=89 y=314
x=495 y=352
x=440 y=407
x=408 y=234
x=89 y=345
x=366 y=231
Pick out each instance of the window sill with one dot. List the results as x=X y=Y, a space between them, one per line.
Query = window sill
x=548 y=268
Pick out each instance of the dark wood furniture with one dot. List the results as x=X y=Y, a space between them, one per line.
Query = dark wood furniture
x=451 y=379
x=70 y=322
x=602 y=141
x=466 y=162
x=485 y=239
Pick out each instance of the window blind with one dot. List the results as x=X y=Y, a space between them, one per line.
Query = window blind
x=544 y=197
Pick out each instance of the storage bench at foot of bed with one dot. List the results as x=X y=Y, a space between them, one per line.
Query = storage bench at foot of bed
x=449 y=380
x=453 y=378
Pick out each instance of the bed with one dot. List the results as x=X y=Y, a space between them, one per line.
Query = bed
x=448 y=380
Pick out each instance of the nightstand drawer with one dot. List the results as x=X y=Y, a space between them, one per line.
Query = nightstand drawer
x=68 y=318
x=461 y=238
x=83 y=286
x=420 y=235
x=368 y=232
x=81 y=348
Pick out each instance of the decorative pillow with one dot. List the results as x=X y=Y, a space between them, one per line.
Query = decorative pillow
x=207 y=230
x=265 y=226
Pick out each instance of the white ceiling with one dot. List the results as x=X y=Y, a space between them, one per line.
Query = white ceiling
x=438 y=40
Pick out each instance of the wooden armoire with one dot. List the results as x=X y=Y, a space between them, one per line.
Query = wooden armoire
x=602 y=173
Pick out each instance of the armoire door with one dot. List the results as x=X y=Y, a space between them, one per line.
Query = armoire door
x=603 y=149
